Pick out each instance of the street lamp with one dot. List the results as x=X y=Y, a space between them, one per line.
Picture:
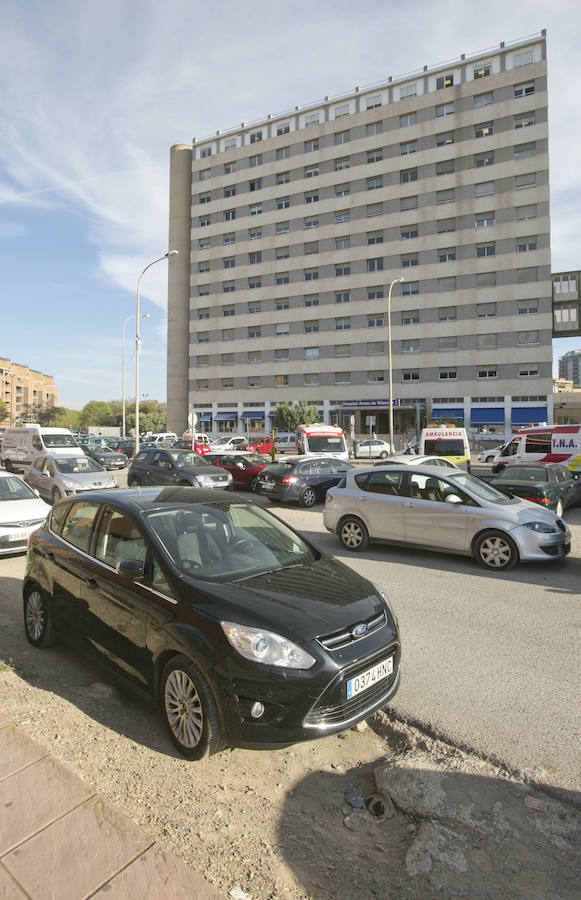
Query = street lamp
x=138 y=342
x=389 y=369
x=128 y=319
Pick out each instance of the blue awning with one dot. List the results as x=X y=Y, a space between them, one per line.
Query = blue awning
x=271 y=414
x=487 y=416
x=205 y=417
x=252 y=414
x=529 y=415
x=225 y=417
x=443 y=413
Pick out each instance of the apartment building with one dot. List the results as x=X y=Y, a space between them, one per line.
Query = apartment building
x=291 y=232
x=25 y=392
x=570 y=367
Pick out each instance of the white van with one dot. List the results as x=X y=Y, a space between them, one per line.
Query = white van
x=317 y=440
x=446 y=440
x=553 y=443
x=159 y=437
x=20 y=446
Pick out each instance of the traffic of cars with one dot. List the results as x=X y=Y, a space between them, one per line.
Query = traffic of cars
x=301 y=480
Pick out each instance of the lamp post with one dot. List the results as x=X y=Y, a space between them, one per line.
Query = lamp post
x=128 y=319
x=389 y=369
x=138 y=342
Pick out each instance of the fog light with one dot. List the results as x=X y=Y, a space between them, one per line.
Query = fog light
x=257 y=709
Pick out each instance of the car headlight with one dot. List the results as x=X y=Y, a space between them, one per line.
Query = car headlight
x=266 y=647
x=383 y=596
x=541 y=527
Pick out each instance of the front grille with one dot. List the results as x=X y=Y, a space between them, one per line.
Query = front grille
x=333 y=708
x=345 y=637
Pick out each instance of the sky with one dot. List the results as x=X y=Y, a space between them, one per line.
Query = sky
x=94 y=93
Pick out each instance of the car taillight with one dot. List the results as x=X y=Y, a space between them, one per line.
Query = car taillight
x=289 y=479
x=538 y=499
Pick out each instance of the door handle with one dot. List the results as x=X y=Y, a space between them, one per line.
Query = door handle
x=410 y=505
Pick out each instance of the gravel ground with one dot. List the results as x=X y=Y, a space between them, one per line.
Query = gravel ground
x=285 y=825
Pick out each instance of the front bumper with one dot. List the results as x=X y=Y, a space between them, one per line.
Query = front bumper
x=537 y=546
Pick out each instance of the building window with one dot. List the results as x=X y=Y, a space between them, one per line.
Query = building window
x=255 y=257
x=203 y=385
x=204 y=290
x=254 y=331
x=525 y=181
x=311 y=380
x=409 y=232
x=228 y=312
x=524 y=120
x=230 y=191
x=205 y=266
x=485 y=279
x=410 y=346
x=281 y=328
x=375 y=265
x=254 y=283
x=406 y=203
x=524 y=245
x=484 y=220
x=446 y=285
x=408 y=147
x=312 y=119
x=486 y=249
x=375 y=237
x=204 y=314
x=447 y=196
x=342 y=243
x=230 y=167
x=203 y=245
x=446 y=167
x=486 y=340
x=375 y=182
x=311 y=300
x=486 y=311
x=528 y=372
x=283 y=128
x=205 y=198
x=254 y=356
x=205 y=220
x=229 y=262
x=484 y=188
x=448 y=342
x=311 y=327
x=444 y=109
x=256 y=185
x=343 y=269
x=228 y=287
x=230 y=238
x=525 y=89
x=374 y=209
x=408 y=119
x=410 y=317
x=311 y=146
x=342 y=190
x=482 y=71
x=311 y=353
x=447 y=374
x=254 y=307
x=410 y=287
x=484 y=159
x=311 y=171
x=374 y=156
x=375 y=377
x=485 y=99
x=375 y=321
x=254 y=234
x=342 y=378
x=282 y=354
x=342 y=215
x=375 y=348
x=284 y=252
x=342 y=137
x=443 y=226
x=255 y=137
x=522 y=151
x=528 y=337
x=283 y=203
x=522 y=59
x=373 y=102
x=486 y=129
x=409 y=261
x=408 y=175
x=447 y=314
x=410 y=375
x=283 y=153
x=282 y=227
x=487 y=373
x=342 y=350
x=527 y=307
x=343 y=323
x=280 y=380
x=445 y=138
x=408 y=90
x=203 y=337
x=375 y=293
x=444 y=81
x=282 y=278
x=311 y=274
x=253 y=381
x=312 y=223
x=447 y=255
x=311 y=198
x=255 y=161
x=227 y=383
x=374 y=128
x=256 y=209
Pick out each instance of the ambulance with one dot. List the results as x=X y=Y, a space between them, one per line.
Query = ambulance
x=552 y=443
x=446 y=440
x=321 y=440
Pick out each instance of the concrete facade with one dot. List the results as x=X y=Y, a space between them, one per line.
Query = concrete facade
x=297 y=225
x=25 y=391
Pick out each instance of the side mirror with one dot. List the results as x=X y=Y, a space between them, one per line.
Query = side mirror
x=239 y=465
x=131 y=569
x=45 y=474
x=452 y=498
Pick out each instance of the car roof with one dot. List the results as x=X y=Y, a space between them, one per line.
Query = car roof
x=432 y=471
x=141 y=499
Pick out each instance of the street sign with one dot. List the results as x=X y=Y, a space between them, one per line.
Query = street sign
x=370 y=420
x=192 y=419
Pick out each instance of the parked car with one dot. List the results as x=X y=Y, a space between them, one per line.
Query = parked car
x=441 y=462
x=199 y=442
x=372 y=449
x=262 y=444
x=299 y=479
x=59 y=476
x=451 y=511
x=241 y=630
x=165 y=438
x=21 y=512
x=489 y=454
x=106 y=456
x=154 y=465
x=243 y=467
x=229 y=442
x=552 y=485
x=285 y=442
x=123 y=445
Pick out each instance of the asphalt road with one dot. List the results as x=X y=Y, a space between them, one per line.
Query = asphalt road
x=490 y=662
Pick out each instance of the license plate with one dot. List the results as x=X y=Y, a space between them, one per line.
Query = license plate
x=265 y=486
x=18 y=536
x=367 y=679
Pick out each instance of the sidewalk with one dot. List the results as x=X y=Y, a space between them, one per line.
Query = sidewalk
x=61 y=841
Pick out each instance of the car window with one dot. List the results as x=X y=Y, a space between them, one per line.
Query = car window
x=13 y=488
x=538 y=443
x=78 y=527
x=38 y=463
x=186 y=458
x=119 y=538
x=385 y=482
x=58 y=516
x=142 y=456
x=524 y=473
x=324 y=466
x=429 y=487
x=561 y=474
x=307 y=469
x=158 y=579
x=340 y=466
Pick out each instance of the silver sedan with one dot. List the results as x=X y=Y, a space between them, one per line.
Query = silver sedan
x=442 y=510
x=60 y=476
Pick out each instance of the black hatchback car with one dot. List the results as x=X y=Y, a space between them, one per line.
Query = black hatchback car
x=301 y=479
x=550 y=484
x=105 y=456
x=155 y=465
x=243 y=632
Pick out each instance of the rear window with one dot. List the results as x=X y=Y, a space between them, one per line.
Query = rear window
x=524 y=473
x=280 y=468
x=442 y=447
x=187 y=458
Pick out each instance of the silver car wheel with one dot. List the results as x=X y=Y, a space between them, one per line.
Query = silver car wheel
x=495 y=552
x=184 y=708
x=35 y=615
x=353 y=534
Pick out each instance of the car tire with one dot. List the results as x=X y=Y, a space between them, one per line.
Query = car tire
x=308 y=497
x=353 y=534
x=383 y=454
x=190 y=710
x=495 y=550
x=38 y=623
x=559 y=509
x=55 y=495
x=254 y=485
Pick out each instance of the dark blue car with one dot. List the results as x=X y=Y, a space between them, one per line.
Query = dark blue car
x=305 y=480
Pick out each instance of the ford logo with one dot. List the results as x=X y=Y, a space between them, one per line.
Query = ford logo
x=360 y=630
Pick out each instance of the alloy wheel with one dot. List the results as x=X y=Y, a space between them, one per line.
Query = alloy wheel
x=184 y=708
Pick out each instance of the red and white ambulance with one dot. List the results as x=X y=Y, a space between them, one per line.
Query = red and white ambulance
x=321 y=440
x=545 y=443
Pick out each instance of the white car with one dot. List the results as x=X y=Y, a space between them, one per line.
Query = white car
x=373 y=449
x=21 y=512
x=490 y=453
x=441 y=462
x=228 y=442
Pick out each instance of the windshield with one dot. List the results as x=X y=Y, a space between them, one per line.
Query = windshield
x=325 y=443
x=480 y=488
x=186 y=458
x=444 y=447
x=227 y=541
x=77 y=465
x=524 y=473
x=59 y=440
x=280 y=468
x=13 y=488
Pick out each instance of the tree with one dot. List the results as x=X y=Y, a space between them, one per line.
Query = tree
x=152 y=415
x=288 y=415
x=96 y=412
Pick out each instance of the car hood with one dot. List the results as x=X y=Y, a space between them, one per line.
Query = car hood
x=522 y=511
x=84 y=479
x=23 y=510
x=300 y=602
x=203 y=470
